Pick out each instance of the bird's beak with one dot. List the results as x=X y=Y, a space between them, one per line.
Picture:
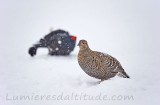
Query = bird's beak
x=78 y=44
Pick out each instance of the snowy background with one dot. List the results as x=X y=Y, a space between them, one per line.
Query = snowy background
x=126 y=29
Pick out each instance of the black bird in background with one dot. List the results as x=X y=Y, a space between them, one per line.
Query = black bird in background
x=58 y=42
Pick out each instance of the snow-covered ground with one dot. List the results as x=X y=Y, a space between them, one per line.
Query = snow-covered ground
x=125 y=29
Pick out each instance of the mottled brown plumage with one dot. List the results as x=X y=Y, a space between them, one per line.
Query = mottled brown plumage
x=99 y=65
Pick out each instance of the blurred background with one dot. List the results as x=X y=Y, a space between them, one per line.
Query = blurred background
x=126 y=29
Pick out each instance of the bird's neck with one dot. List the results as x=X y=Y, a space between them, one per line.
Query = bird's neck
x=85 y=50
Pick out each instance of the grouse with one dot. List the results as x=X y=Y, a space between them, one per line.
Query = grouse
x=99 y=65
x=58 y=42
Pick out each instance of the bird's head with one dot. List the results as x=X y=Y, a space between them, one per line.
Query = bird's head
x=83 y=45
x=73 y=38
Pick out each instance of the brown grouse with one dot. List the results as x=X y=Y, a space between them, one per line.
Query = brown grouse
x=99 y=65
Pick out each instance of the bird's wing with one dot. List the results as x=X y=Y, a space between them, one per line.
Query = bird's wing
x=108 y=61
x=117 y=65
x=97 y=61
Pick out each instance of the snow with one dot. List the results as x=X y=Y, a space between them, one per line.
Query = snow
x=127 y=30
x=59 y=42
x=57 y=48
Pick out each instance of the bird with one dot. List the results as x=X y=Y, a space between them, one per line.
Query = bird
x=97 y=64
x=58 y=42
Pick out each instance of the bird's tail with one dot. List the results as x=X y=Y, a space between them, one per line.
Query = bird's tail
x=124 y=74
x=32 y=50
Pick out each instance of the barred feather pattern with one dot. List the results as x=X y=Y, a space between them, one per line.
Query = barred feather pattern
x=99 y=65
